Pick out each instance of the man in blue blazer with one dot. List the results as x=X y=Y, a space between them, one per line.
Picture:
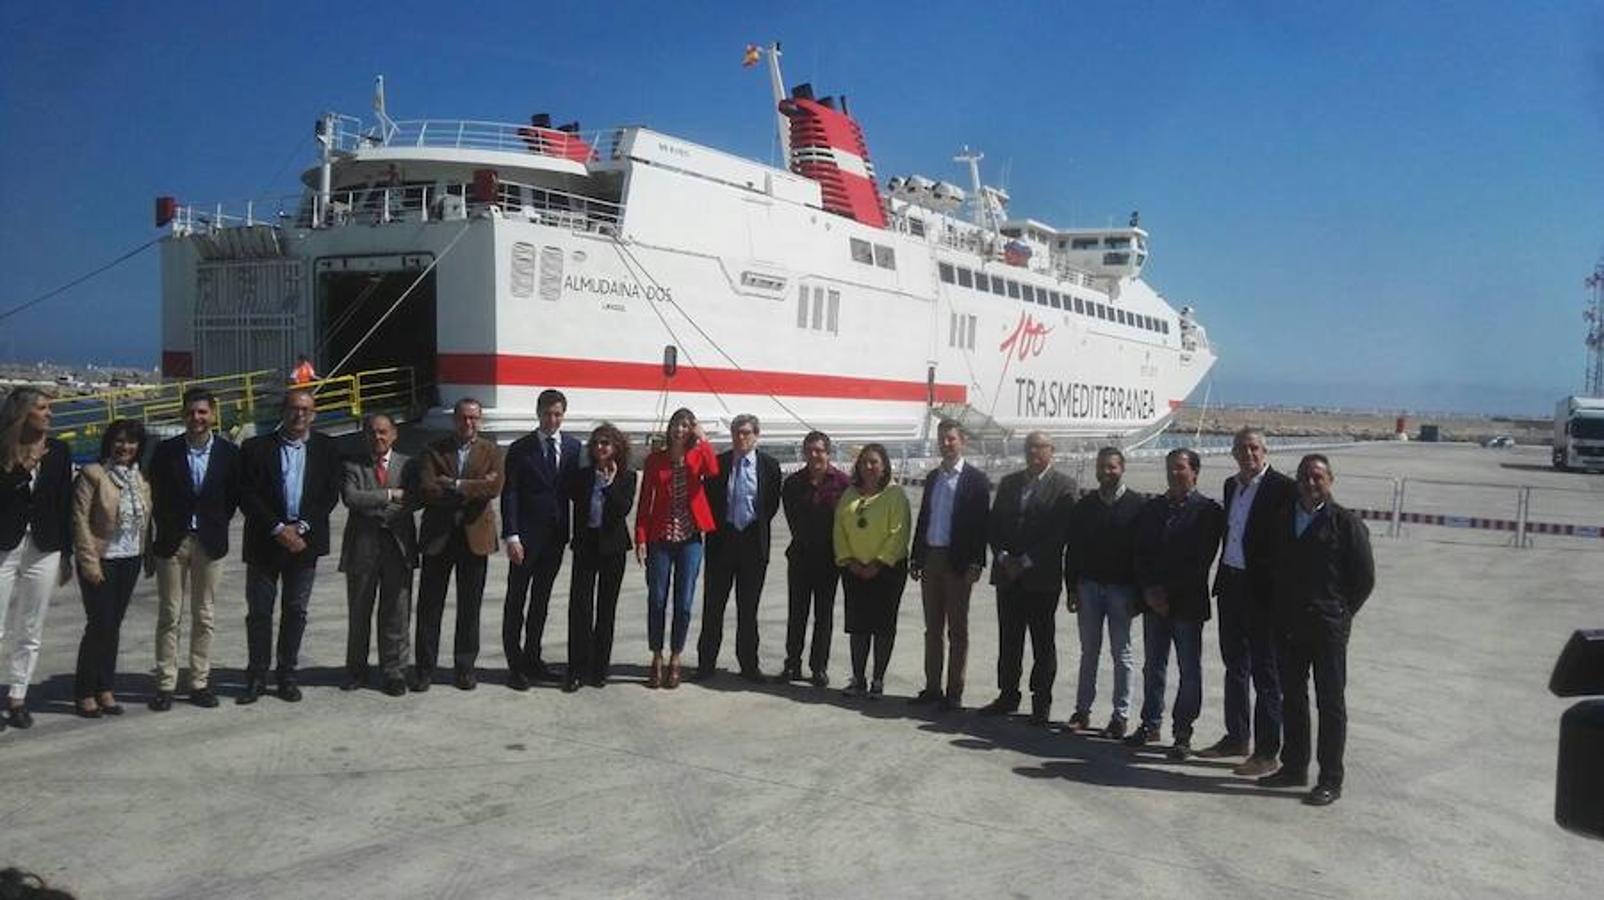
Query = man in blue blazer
x=541 y=467
x=949 y=553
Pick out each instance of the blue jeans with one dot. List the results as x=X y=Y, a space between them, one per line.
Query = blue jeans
x=1158 y=633
x=677 y=563
x=1100 y=601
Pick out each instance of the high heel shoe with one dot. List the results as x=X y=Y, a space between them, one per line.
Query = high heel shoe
x=654 y=679
x=673 y=675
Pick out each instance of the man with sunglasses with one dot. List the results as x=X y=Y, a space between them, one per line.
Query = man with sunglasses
x=744 y=495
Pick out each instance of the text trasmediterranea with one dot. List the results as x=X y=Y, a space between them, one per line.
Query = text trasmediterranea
x=1050 y=399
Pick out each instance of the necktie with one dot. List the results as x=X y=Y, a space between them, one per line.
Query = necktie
x=551 y=452
x=742 y=519
x=381 y=471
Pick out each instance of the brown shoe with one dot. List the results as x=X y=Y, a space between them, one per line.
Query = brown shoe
x=1254 y=766
x=654 y=679
x=673 y=676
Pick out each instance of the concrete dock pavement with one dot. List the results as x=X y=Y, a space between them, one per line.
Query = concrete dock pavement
x=727 y=789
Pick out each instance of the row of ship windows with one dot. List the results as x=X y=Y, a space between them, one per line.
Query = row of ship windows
x=823 y=313
x=872 y=254
x=961 y=331
x=1007 y=287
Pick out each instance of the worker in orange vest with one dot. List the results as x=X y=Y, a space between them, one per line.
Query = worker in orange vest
x=304 y=373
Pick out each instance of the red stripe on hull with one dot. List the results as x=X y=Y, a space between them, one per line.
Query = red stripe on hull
x=551 y=371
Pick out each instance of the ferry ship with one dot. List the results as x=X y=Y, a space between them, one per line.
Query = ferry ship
x=639 y=271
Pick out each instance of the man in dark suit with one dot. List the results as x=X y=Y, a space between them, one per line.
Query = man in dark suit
x=194 y=490
x=540 y=467
x=1255 y=499
x=459 y=477
x=949 y=553
x=289 y=483
x=1324 y=572
x=744 y=496
x=809 y=497
x=1177 y=537
x=378 y=554
x=1027 y=529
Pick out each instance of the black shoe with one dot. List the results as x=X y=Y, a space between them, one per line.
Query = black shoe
x=570 y=685
x=19 y=717
x=255 y=687
x=1115 y=730
x=1286 y=778
x=203 y=698
x=162 y=702
x=1038 y=713
x=86 y=712
x=289 y=692
x=421 y=681
x=395 y=687
x=819 y=679
x=1002 y=706
x=1225 y=746
x=352 y=682
x=1181 y=750
x=950 y=703
x=465 y=680
x=518 y=681
x=1143 y=735
x=1323 y=795
x=754 y=675
x=924 y=697
x=1079 y=721
x=788 y=674
x=540 y=672
x=597 y=681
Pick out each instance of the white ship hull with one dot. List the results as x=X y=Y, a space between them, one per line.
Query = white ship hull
x=758 y=290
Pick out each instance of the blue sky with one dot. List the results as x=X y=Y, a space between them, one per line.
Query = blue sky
x=1373 y=204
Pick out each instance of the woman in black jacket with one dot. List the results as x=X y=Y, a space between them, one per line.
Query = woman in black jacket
x=602 y=495
x=35 y=537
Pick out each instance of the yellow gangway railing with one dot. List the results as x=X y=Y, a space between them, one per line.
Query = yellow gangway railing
x=243 y=398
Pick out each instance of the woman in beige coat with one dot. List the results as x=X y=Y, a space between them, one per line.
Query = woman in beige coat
x=111 y=537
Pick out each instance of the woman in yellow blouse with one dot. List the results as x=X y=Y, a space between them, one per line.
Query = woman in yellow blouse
x=872 y=530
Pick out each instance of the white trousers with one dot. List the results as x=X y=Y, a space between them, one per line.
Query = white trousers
x=27 y=579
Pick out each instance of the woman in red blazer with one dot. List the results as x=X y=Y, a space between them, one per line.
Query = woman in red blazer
x=669 y=523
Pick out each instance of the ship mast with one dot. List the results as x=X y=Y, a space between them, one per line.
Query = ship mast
x=984 y=216
x=781 y=124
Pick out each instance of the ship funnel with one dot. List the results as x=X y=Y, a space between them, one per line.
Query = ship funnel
x=827 y=146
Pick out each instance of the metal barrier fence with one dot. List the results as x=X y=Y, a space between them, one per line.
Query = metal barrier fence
x=1507 y=509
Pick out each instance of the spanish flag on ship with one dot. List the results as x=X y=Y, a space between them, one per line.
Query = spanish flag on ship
x=752 y=55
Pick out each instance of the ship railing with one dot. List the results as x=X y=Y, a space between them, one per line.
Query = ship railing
x=468 y=134
x=386 y=204
x=243 y=399
x=978 y=243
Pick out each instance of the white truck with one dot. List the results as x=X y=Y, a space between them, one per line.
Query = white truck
x=1579 y=433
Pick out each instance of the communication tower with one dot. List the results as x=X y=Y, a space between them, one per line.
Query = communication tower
x=1594 y=316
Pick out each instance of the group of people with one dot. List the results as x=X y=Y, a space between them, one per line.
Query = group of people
x=1294 y=566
